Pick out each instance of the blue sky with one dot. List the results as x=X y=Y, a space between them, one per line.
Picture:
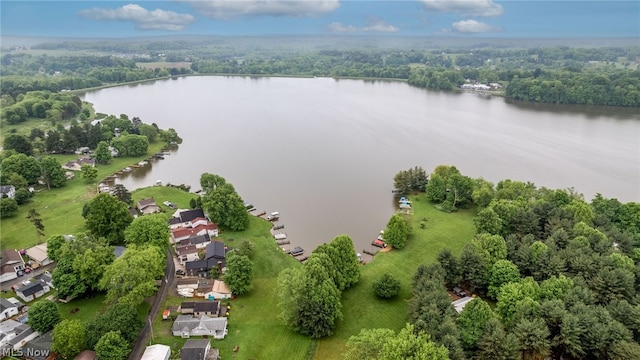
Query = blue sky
x=460 y=18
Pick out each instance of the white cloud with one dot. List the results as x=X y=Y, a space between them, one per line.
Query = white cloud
x=465 y=7
x=224 y=9
x=143 y=19
x=371 y=25
x=472 y=27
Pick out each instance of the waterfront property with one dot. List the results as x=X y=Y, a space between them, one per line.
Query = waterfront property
x=148 y=206
x=186 y=326
x=215 y=256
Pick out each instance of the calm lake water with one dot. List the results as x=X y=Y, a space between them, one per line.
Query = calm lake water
x=323 y=152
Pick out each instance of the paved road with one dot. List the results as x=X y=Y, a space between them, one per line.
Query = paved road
x=6 y=285
x=143 y=338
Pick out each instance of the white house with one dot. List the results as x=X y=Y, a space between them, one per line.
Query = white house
x=7 y=191
x=461 y=303
x=186 y=326
x=32 y=290
x=219 y=290
x=7 y=309
x=187 y=253
x=15 y=334
x=157 y=352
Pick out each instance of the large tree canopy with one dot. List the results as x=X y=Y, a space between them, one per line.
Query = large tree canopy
x=223 y=204
x=108 y=217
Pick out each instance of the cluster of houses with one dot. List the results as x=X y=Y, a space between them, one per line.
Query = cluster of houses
x=476 y=86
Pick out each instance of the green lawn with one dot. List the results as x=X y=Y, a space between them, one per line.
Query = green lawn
x=362 y=309
x=60 y=209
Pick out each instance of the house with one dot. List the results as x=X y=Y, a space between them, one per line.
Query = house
x=38 y=254
x=11 y=265
x=40 y=347
x=187 y=253
x=7 y=191
x=182 y=218
x=186 y=326
x=461 y=303
x=157 y=352
x=200 y=308
x=215 y=254
x=45 y=278
x=200 y=241
x=148 y=206
x=198 y=350
x=219 y=290
x=32 y=291
x=133 y=212
x=7 y=309
x=15 y=335
x=185 y=232
x=76 y=165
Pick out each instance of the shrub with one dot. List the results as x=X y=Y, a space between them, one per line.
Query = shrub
x=386 y=286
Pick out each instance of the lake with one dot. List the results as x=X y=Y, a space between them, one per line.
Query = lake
x=323 y=152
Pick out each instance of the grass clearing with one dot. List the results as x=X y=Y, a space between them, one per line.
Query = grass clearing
x=60 y=209
x=362 y=309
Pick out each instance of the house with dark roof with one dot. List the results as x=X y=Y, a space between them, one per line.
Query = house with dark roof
x=45 y=278
x=32 y=290
x=215 y=256
x=200 y=241
x=186 y=326
x=8 y=191
x=200 y=308
x=148 y=206
x=183 y=218
x=11 y=264
x=7 y=309
x=41 y=347
x=198 y=350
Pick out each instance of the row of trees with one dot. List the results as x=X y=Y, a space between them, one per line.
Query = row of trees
x=309 y=296
x=41 y=105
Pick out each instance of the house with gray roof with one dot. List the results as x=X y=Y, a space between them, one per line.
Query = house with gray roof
x=14 y=334
x=7 y=191
x=198 y=350
x=7 y=309
x=32 y=290
x=186 y=326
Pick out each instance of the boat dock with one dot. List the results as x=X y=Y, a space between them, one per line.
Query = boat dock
x=283 y=242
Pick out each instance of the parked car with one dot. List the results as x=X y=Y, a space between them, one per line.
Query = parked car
x=179 y=272
x=459 y=292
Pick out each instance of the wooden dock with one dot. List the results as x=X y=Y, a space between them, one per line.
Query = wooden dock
x=365 y=251
x=283 y=242
x=261 y=213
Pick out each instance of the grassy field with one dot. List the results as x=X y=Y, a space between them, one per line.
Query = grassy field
x=253 y=324
x=362 y=309
x=60 y=209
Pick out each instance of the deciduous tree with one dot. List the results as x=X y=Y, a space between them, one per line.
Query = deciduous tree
x=43 y=315
x=472 y=322
x=149 y=229
x=108 y=217
x=52 y=172
x=88 y=173
x=68 y=338
x=8 y=207
x=239 y=274
x=397 y=232
x=103 y=154
x=131 y=277
x=112 y=346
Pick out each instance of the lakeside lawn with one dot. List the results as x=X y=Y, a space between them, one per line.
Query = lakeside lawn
x=362 y=309
x=61 y=209
x=253 y=321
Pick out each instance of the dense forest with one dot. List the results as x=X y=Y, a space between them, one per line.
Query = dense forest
x=559 y=74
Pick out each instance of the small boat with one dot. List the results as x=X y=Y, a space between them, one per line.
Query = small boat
x=297 y=251
x=379 y=243
x=281 y=236
x=158 y=183
x=159 y=156
x=143 y=163
x=127 y=169
x=274 y=216
x=283 y=242
x=278 y=227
